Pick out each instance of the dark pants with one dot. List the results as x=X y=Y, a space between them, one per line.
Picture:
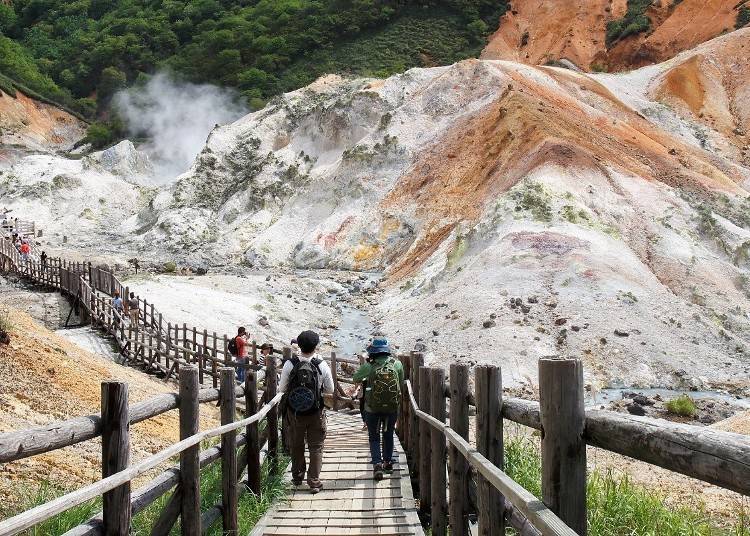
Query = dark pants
x=310 y=429
x=373 y=421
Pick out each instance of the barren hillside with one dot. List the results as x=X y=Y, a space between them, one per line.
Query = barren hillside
x=27 y=124
x=540 y=31
x=46 y=378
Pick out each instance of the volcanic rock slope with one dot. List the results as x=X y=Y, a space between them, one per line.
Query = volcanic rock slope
x=611 y=209
x=539 y=31
x=30 y=125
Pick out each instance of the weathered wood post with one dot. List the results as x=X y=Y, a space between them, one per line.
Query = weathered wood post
x=214 y=364
x=417 y=360
x=228 y=453
x=405 y=407
x=439 y=509
x=424 y=442
x=459 y=421
x=115 y=456
x=489 y=439
x=563 y=447
x=251 y=433
x=334 y=369
x=190 y=507
x=272 y=421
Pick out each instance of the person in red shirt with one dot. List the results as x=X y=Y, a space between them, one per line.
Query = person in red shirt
x=25 y=250
x=241 y=342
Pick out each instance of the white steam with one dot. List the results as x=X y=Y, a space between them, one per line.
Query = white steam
x=176 y=118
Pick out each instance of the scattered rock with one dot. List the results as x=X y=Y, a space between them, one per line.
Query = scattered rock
x=493 y=316
x=263 y=321
x=560 y=321
x=489 y=324
x=635 y=409
x=532 y=299
x=525 y=308
x=435 y=333
x=621 y=333
x=575 y=328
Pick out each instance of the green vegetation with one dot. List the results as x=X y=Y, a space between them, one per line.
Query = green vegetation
x=251 y=507
x=634 y=22
x=170 y=267
x=616 y=505
x=683 y=406
x=73 y=51
x=743 y=17
x=6 y=326
x=533 y=197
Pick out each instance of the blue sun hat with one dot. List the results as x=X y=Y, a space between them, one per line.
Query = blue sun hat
x=379 y=346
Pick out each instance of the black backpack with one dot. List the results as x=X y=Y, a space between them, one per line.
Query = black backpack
x=304 y=393
x=232 y=346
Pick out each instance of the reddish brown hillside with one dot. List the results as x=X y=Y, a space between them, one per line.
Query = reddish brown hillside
x=538 y=31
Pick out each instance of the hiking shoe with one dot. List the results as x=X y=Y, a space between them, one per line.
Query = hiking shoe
x=316 y=489
x=377 y=472
x=388 y=467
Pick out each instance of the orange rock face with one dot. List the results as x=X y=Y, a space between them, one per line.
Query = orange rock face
x=538 y=31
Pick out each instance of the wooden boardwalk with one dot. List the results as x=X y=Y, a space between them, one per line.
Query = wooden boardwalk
x=351 y=501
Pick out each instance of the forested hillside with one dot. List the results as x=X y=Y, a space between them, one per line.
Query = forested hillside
x=80 y=53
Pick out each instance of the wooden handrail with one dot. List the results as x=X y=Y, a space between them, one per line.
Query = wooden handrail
x=41 y=513
x=56 y=435
x=535 y=510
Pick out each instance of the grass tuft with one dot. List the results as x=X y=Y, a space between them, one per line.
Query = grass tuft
x=683 y=405
x=616 y=505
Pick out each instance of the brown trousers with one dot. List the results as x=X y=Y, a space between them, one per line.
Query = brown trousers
x=310 y=429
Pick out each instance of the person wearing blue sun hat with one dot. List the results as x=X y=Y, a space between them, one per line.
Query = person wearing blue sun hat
x=383 y=376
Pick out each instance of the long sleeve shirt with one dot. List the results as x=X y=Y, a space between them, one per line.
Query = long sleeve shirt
x=325 y=378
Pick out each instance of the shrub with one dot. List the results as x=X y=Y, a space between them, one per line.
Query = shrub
x=683 y=406
x=170 y=267
x=635 y=21
x=743 y=17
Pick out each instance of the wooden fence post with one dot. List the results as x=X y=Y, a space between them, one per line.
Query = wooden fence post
x=417 y=360
x=563 y=448
x=228 y=453
x=438 y=516
x=402 y=425
x=251 y=433
x=489 y=440
x=334 y=372
x=272 y=419
x=424 y=441
x=190 y=508
x=459 y=422
x=115 y=456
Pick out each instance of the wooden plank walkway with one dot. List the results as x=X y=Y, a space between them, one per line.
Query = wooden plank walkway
x=351 y=503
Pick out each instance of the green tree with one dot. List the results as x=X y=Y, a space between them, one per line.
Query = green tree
x=112 y=80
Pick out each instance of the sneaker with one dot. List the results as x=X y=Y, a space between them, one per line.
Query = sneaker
x=377 y=472
x=316 y=489
x=388 y=467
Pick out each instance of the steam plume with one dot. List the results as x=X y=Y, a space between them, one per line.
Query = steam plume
x=176 y=118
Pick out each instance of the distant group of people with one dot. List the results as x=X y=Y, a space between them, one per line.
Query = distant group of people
x=305 y=380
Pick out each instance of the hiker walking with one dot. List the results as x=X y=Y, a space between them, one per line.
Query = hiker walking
x=43 y=257
x=304 y=380
x=384 y=376
x=25 y=249
x=238 y=348
x=117 y=306
x=133 y=309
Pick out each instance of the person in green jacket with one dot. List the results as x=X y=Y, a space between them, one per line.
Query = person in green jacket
x=384 y=377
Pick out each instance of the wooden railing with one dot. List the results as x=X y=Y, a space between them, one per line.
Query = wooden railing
x=153 y=342
x=113 y=427
x=716 y=457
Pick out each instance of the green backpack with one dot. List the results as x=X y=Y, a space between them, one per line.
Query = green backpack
x=384 y=387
